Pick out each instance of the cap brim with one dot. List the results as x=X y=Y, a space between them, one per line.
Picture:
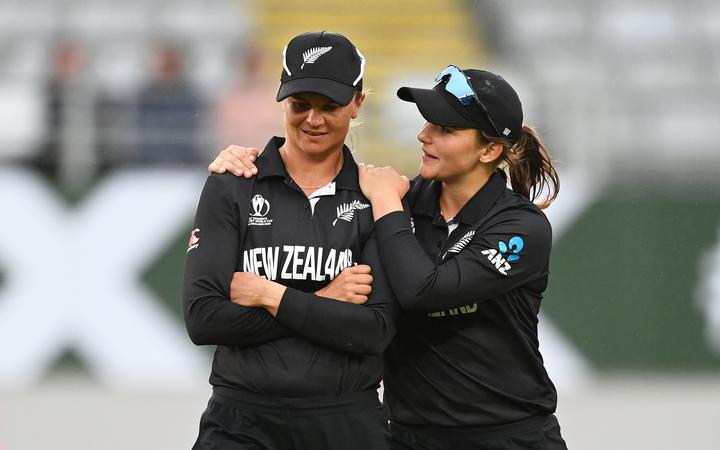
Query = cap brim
x=434 y=107
x=337 y=92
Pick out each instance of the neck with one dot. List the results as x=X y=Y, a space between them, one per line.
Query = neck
x=457 y=192
x=311 y=171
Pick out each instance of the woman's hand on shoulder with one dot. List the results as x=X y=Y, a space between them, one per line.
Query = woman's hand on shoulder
x=378 y=182
x=352 y=285
x=237 y=160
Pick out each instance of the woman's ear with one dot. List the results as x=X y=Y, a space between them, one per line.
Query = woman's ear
x=491 y=152
x=357 y=103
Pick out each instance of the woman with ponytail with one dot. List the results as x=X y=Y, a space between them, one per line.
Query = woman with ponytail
x=469 y=267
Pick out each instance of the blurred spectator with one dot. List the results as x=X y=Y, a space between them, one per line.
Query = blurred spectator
x=245 y=112
x=65 y=93
x=168 y=113
x=116 y=127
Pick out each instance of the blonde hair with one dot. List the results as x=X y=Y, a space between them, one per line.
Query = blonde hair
x=357 y=122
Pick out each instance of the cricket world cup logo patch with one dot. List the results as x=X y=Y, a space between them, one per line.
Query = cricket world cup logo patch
x=260 y=209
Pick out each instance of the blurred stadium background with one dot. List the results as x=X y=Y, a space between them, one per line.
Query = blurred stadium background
x=110 y=112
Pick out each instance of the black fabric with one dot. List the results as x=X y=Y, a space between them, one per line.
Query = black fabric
x=497 y=99
x=314 y=346
x=229 y=424
x=324 y=63
x=466 y=351
x=437 y=106
x=532 y=434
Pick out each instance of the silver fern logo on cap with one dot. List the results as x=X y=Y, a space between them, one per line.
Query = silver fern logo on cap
x=311 y=55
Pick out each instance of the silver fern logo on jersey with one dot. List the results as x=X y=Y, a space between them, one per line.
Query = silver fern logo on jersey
x=260 y=209
x=459 y=245
x=311 y=55
x=346 y=211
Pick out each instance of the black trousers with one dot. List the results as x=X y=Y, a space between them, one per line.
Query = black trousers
x=353 y=422
x=538 y=433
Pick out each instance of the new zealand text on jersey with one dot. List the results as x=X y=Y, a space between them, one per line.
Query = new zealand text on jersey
x=298 y=262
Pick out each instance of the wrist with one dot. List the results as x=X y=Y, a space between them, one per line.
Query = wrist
x=386 y=205
x=272 y=296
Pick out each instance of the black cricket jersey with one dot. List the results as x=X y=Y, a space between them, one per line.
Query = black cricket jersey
x=315 y=346
x=466 y=351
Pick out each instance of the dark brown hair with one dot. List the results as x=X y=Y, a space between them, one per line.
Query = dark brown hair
x=529 y=164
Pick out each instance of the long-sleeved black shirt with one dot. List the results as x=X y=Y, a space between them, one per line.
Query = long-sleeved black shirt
x=466 y=351
x=314 y=346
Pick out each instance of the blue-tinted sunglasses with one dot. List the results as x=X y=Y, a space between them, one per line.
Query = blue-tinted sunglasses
x=458 y=84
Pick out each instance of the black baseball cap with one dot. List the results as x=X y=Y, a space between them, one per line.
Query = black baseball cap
x=495 y=107
x=323 y=63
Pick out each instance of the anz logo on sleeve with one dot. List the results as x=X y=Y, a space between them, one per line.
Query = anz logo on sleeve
x=505 y=254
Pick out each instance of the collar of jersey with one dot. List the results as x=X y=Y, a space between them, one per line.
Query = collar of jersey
x=428 y=202
x=270 y=164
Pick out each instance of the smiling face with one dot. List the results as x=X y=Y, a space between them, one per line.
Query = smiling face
x=316 y=125
x=452 y=153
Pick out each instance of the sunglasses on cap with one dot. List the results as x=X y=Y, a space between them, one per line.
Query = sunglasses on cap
x=458 y=84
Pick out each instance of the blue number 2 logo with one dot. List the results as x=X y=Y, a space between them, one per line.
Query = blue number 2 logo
x=515 y=245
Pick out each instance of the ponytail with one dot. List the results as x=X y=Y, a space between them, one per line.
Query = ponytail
x=530 y=167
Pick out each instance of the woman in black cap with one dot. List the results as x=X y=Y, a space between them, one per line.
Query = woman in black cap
x=294 y=369
x=465 y=369
x=469 y=270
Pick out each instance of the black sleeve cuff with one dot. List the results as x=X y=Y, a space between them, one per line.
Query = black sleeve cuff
x=390 y=224
x=294 y=308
